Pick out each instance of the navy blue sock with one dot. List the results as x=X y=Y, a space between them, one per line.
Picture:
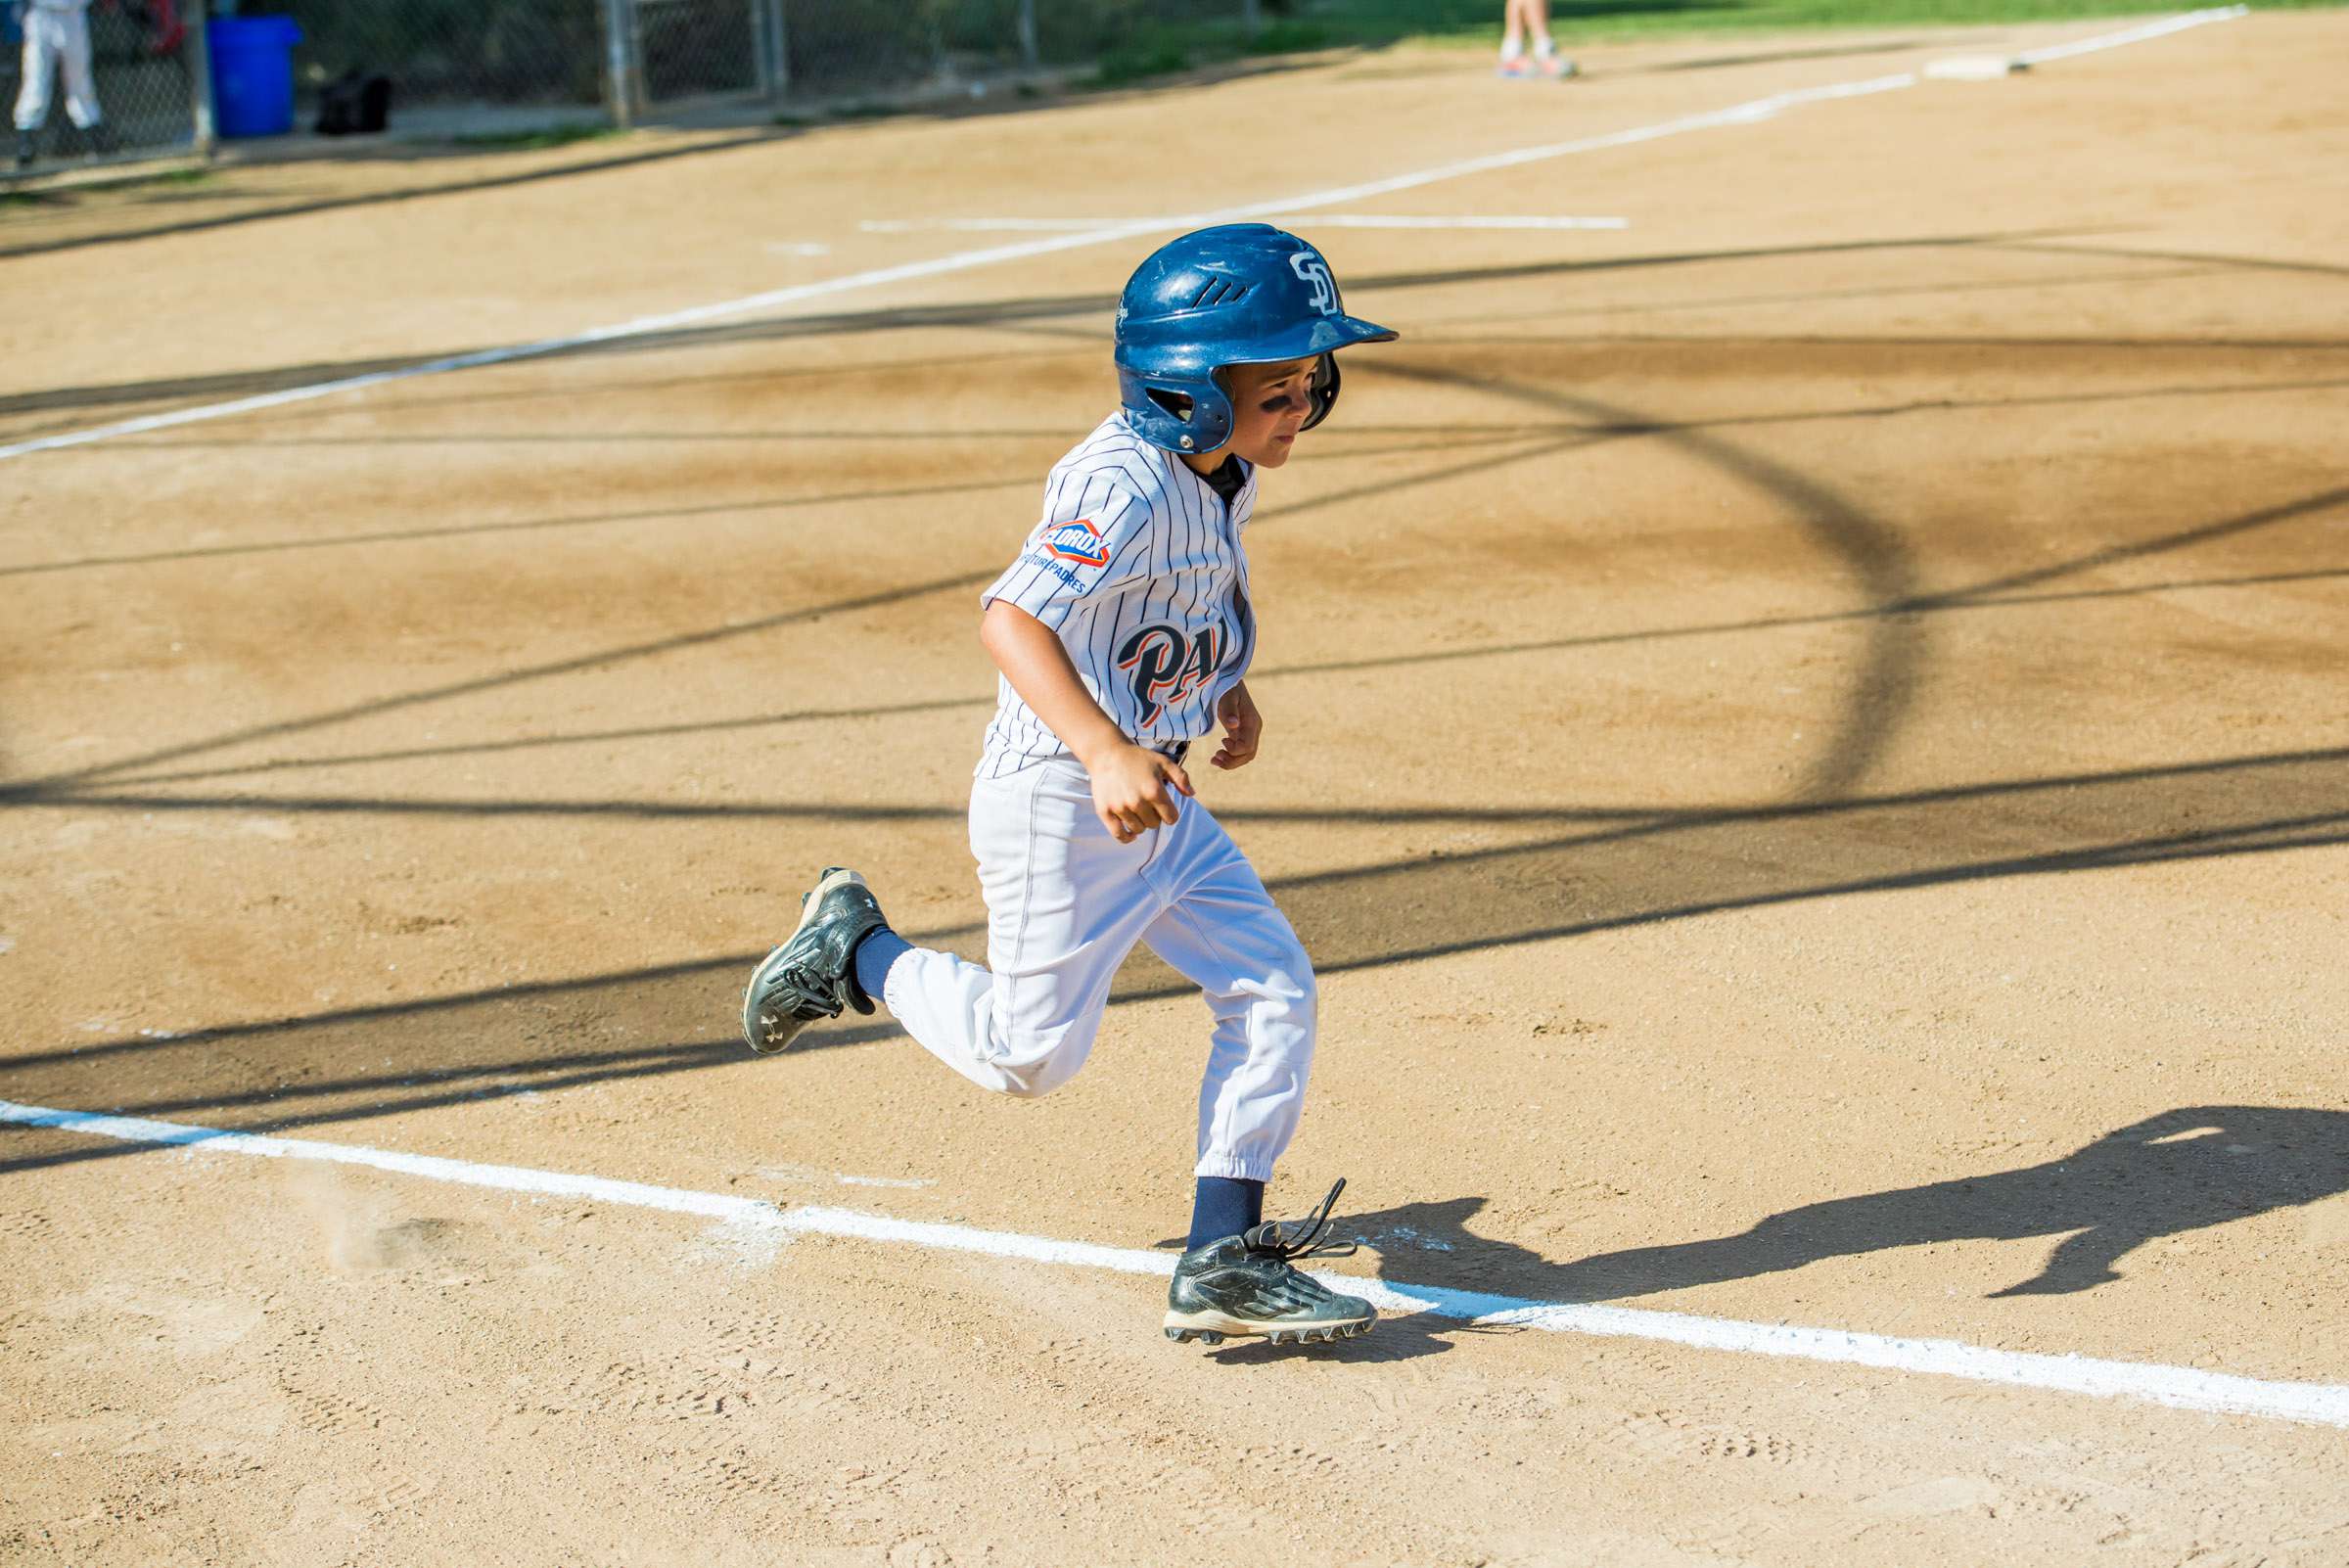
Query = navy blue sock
x=1224 y=1207
x=874 y=954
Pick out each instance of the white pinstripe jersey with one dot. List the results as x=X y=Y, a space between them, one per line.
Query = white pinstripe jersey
x=1137 y=567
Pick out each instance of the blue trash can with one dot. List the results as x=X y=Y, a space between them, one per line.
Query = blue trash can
x=252 y=73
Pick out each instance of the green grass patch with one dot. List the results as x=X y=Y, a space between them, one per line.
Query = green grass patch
x=1361 y=22
x=1292 y=35
x=1144 y=51
x=1151 y=55
x=535 y=141
x=1166 y=50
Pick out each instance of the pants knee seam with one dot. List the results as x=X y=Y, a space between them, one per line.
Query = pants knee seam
x=1218 y=1136
x=999 y=1029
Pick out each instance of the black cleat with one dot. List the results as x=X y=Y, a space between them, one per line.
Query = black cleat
x=1248 y=1285
x=812 y=975
x=26 y=150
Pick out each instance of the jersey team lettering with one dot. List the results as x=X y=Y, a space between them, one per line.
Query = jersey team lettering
x=1136 y=565
x=1162 y=658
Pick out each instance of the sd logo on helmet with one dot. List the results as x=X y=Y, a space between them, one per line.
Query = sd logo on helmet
x=1240 y=294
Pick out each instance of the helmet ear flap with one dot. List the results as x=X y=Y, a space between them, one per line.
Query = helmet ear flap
x=1179 y=414
x=1323 y=389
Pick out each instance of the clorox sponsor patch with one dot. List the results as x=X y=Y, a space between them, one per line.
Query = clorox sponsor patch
x=1078 y=541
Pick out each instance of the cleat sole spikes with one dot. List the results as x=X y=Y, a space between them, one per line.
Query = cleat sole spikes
x=781 y=999
x=1300 y=1334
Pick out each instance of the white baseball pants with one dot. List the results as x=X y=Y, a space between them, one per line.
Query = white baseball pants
x=53 y=38
x=1066 y=902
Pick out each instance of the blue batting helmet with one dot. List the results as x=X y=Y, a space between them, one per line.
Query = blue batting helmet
x=1241 y=294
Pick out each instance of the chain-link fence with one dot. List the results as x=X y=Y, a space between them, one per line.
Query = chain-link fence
x=636 y=59
x=450 y=54
x=491 y=68
x=144 y=72
x=836 y=46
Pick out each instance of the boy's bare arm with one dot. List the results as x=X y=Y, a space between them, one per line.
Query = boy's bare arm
x=1130 y=793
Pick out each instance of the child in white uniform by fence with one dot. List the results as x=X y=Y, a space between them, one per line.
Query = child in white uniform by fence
x=57 y=37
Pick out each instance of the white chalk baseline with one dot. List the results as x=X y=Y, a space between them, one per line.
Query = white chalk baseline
x=2182 y=1387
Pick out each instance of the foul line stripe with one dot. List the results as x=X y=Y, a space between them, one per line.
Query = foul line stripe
x=2129 y=35
x=2181 y=1386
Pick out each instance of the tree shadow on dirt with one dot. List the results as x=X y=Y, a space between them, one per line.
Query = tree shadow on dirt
x=228 y=385
x=1607 y=872
x=752 y=126
x=1023 y=481
x=423 y=153
x=46 y=788
x=400 y=152
x=1577 y=874
x=2181 y=1171
x=1589 y=871
x=293 y=1075
x=1868 y=549
x=2255 y=263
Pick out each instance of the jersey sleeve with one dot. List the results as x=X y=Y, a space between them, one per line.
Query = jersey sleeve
x=1093 y=535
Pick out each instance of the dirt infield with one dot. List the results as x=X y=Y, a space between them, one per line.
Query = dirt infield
x=1806 y=735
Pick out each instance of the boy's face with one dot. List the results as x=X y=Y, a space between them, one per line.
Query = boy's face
x=1270 y=405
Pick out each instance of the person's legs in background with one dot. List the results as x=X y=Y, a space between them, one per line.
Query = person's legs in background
x=32 y=97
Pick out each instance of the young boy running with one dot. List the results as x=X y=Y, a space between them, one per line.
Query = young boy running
x=1123 y=633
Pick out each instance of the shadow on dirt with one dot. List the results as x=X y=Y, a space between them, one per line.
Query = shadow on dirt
x=1579 y=870
x=46 y=788
x=1023 y=479
x=1575 y=871
x=498 y=1044
x=422 y=153
x=902 y=318
x=1393 y=1339
x=1892 y=605
x=2254 y=263
x=412 y=152
x=1606 y=873
x=2182 y=1170
x=750 y=125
